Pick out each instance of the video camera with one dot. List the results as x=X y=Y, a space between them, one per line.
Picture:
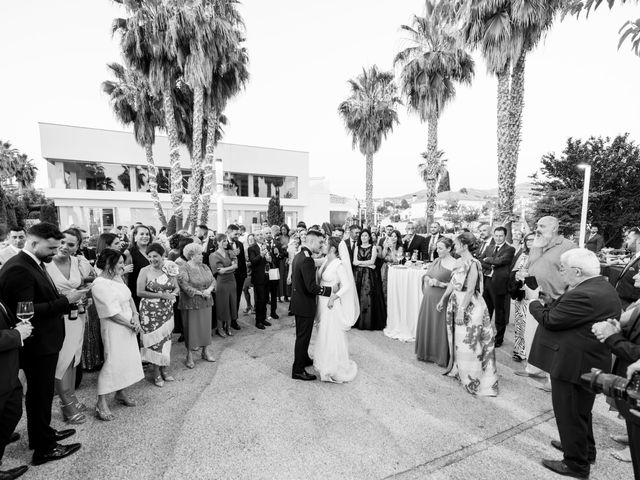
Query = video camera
x=614 y=387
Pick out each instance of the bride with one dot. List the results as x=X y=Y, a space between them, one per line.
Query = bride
x=335 y=315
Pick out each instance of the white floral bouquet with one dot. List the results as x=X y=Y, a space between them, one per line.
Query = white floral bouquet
x=170 y=268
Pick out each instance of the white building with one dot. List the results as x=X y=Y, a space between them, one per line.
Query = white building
x=101 y=176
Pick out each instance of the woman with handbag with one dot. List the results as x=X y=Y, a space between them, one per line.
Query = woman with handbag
x=223 y=263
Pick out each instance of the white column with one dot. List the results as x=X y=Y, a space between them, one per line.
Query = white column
x=220 y=195
x=585 y=203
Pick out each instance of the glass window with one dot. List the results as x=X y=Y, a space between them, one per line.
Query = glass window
x=97 y=176
x=236 y=184
x=268 y=186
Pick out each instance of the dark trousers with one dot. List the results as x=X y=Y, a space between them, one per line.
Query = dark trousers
x=633 y=429
x=40 y=372
x=273 y=295
x=304 y=328
x=572 y=405
x=239 y=285
x=486 y=294
x=261 y=294
x=10 y=413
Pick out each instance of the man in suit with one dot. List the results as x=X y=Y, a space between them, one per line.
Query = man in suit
x=625 y=285
x=487 y=243
x=595 y=241
x=412 y=242
x=388 y=230
x=16 y=239
x=24 y=278
x=565 y=346
x=352 y=241
x=259 y=259
x=304 y=290
x=432 y=241
x=498 y=263
x=11 y=339
x=241 y=272
x=623 y=339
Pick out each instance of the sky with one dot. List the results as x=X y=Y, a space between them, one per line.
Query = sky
x=302 y=53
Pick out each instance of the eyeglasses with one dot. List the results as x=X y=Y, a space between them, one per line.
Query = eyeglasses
x=565 y=268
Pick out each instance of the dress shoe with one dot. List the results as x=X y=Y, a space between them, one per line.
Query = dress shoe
x=260 y=325
x=235 y=325
x=13 y=473
x=558 y=446
x=266 y=323
x=56 y=453
x=62 y=434
x=524 y=373
x=275 y=316
x=561 y=468
x=303 y=376
x=15 y=436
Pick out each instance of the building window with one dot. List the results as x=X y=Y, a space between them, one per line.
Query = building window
x=236 y=184
x=97 y=176
x=266 y=186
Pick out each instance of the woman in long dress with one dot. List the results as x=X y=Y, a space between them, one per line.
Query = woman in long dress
x=471 y=338
x=223 y=265
x=120 y=325
x=335 y=315
x=158 y=290
x=137 y=257
x=373 y=310
x=431 y=332
x=391 y=252
x=66 y=274
x=521 y=305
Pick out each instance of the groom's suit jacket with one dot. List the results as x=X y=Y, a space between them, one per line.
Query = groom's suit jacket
x=304 y=287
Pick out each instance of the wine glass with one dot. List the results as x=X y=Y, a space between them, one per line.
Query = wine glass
x=24 y=311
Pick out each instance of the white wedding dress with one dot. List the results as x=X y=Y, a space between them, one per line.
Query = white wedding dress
x=331 y=356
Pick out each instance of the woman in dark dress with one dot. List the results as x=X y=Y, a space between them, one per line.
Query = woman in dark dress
x=223 y=263
x=138 y=258
x=373 y=310
x=432 y=343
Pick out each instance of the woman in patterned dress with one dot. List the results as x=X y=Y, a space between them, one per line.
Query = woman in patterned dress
x=521 y=312
x=392 y=255
x=158 y=289
x=470 y=334
x=373 y=310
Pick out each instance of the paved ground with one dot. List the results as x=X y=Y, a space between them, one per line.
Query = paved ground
x=244 y=418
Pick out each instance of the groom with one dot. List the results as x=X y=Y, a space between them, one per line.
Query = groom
x=304 y=290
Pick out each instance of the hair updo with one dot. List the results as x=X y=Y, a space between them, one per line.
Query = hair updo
x=334 y=242
x=469 y=240
x=155 y=247
x=447 y=242
x=108 y=259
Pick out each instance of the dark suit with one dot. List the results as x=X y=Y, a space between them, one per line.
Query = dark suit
x=432 y=253
x=626 y=347
x=241 y=272
x=595 y=243
x=304 y=290
x=565 y=347
x=260 y=279
x=351 y=247
x=496 y=287
x=624 y=286
x=419 y=243
x=22 y=279
x=10 y=386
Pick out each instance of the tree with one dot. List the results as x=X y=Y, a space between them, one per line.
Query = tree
x=434 y=173
x=275 y=213
x=431 y=65
x=369 y=115
x=614 y=192
x=404 y=204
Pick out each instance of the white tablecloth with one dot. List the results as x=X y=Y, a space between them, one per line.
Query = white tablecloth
x=404 y=296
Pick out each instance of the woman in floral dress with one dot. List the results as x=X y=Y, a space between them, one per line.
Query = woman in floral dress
x=469 y=330
x=157 y=287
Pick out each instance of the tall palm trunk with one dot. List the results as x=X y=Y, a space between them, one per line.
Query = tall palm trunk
x=196 y=160
x=208 y=180
x=432 y=166
x=369 y=190
x=506 y=171
x=153 y=184
x=174 y=156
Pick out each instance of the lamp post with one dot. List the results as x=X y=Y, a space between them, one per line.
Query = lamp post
x=219 y=195
x=585 y=202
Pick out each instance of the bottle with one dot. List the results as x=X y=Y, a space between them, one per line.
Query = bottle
x=81 y=308
x=73 y=314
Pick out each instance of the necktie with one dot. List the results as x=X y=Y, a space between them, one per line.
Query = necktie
x=44 y=269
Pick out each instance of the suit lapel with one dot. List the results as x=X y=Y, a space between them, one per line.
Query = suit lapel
x=626 y=268
x=44 y=275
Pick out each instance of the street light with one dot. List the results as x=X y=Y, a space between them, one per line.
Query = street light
x=585 y=202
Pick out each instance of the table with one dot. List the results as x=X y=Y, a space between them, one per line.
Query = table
x=404 y=296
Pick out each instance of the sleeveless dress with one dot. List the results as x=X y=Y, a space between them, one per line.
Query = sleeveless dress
x=432 y=344
x=156 y=320
x=71 y=351
x=471 y=341
x=373 y=309
x=139 y=261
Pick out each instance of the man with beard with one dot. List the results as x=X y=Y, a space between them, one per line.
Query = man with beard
x=25 y=279
x=241 y=272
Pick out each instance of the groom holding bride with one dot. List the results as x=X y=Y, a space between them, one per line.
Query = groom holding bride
x=330 y=301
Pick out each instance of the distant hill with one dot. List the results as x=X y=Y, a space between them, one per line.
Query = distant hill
x=522 y=190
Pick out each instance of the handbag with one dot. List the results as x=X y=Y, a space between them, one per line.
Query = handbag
x=274 y=274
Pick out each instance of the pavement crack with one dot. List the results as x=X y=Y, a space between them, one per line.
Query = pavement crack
x=465 y=452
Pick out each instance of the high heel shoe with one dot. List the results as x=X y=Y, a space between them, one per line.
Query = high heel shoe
x=206 y=356
x=126 y=401
x=71 y=414
x=105 y=417
x=226 y=330
x=166 y=377
x=189 y=362
x=78 y=404
x=220 y=333
x=158 y=381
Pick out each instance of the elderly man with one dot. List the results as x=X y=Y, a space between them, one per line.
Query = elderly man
x=16 y=239
x=625 y=285
x=565 y=346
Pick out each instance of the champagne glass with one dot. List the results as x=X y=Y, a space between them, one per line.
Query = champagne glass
x=24 y=311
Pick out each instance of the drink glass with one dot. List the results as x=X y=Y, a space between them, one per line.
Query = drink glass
x=24 y=311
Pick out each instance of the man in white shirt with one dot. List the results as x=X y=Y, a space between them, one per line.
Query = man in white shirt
x=432 y=240
x=16 y=239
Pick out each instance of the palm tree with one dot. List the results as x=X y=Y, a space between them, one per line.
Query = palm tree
x=431 y=66
x=25 y=172
x=134 y=104
x=369 y=115
x=435 y=174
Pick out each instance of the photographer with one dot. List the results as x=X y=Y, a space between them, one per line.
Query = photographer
x=623 y=338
